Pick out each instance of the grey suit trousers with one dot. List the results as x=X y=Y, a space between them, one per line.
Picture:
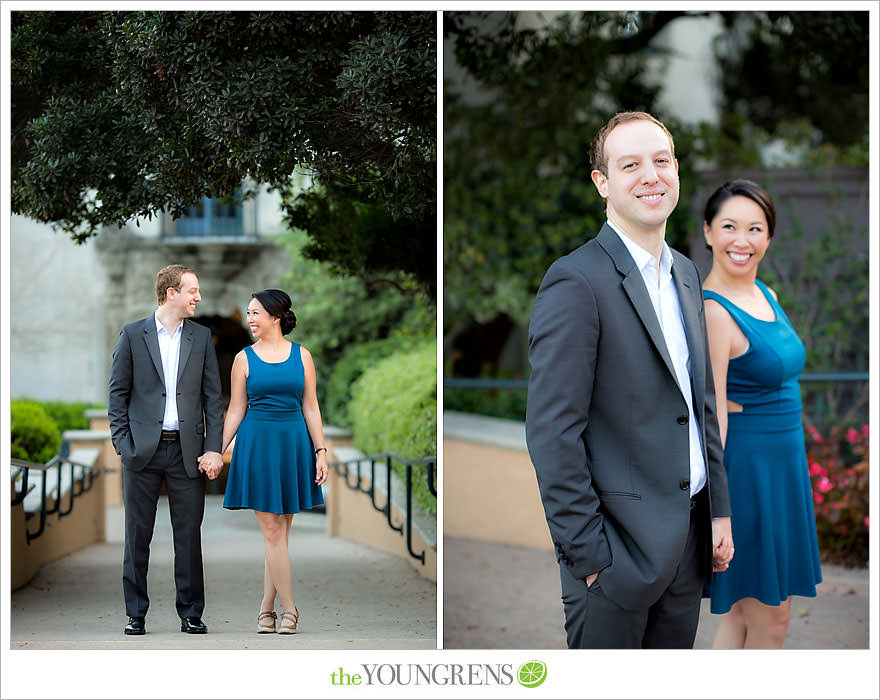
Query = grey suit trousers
x=593 y=621
x=186 y=501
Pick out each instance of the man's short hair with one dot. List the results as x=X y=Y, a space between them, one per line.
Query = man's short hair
x=598 y=160
x=169 y=278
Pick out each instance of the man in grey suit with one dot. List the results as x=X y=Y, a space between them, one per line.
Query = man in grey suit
x=166 y=423
x=620 y=422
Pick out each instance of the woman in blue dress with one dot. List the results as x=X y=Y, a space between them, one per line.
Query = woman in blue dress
x=757 y=358
x=279 y=460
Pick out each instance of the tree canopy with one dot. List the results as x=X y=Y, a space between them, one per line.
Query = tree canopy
x=517 y=131
x=522 y=103
x=797 y=64
x=117 y=115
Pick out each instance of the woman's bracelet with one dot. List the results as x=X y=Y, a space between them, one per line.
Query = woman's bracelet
x=319 y=449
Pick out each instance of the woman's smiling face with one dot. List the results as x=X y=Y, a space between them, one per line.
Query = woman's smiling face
x=739 y=236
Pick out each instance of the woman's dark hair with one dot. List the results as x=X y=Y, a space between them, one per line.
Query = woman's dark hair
x=277 y=304
x=741 y=188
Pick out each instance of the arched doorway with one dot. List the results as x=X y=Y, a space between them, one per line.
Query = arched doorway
x=230 y=337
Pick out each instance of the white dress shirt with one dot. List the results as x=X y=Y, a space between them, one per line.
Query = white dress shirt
x=664 y=297
x=169 y=348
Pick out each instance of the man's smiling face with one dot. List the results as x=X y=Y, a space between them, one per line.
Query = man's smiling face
x=641 y=187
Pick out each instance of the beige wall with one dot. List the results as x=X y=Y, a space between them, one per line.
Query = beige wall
x=85 y=523
x=490 y=493
x=82 y=526
x=350 y=514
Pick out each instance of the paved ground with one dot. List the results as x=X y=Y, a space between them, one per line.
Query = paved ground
x=349 y=596
x=501 y=597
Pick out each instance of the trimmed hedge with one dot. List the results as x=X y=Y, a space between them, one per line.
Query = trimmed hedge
x=69 y=415
x=350 y=366
x=35 y=436
x=394 y=409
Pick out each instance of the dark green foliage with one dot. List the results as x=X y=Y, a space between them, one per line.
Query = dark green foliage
x=394 y=409
x=498 y=403
x=125 y=114
x=823 y=287
x=393 y=404
x=361 y=238
x=521 y=106
x=69 y=415
x=790 y=60
x=517 y=131
x=34 y=435
x=347 y=370
x=338 y=313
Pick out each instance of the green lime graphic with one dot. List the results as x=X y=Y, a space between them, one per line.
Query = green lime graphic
x=532 y=673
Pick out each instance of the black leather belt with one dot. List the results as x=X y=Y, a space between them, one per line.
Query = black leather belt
x=170 y=434
x=697 y=498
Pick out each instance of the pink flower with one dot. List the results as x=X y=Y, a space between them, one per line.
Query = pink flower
x=836 y=506
x=811 y=429
x=818 y=497
x=816 y=468
x=866 y=521
x=824 y=484
x=852 y=436
x=865 y=430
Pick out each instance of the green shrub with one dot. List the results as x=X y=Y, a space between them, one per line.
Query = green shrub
x=394 y=409
x=345 y=372
x=498 y=403
x=69 y=415
x=35 y=436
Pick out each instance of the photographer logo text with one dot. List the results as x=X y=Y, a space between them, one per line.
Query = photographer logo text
x=529 y=675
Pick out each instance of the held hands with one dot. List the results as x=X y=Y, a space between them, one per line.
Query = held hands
x=722 y=544
x=211 y=463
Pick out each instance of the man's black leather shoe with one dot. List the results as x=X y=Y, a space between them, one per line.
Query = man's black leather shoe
x=135 y=626
x=193 y=625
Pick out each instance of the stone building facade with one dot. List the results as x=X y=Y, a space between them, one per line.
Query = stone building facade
x=67 y=302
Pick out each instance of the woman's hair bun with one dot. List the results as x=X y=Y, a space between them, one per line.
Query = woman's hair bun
x=288 y=321
x=277 y=303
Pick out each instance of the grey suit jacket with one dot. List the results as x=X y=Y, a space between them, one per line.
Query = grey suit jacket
x=137 y=395
x=606 y=422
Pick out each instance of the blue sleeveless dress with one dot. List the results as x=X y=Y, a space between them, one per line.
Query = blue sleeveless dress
x=771 y=500
x=273 y=461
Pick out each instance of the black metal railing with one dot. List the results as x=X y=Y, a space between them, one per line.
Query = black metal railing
x=386 y=460
x=78 y=486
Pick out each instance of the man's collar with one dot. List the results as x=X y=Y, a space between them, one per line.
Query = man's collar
x=641 y=256
x=160 y=327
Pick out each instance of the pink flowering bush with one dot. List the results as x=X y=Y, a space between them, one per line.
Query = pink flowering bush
x=838 y=464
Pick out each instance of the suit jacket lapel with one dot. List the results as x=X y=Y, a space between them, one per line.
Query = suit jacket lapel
x=186 y=341
x=152 y=341
x=634 y=286
x=689 y=293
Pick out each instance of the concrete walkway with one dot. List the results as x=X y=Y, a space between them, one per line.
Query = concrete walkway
x=349 y=596
x=501 y=597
